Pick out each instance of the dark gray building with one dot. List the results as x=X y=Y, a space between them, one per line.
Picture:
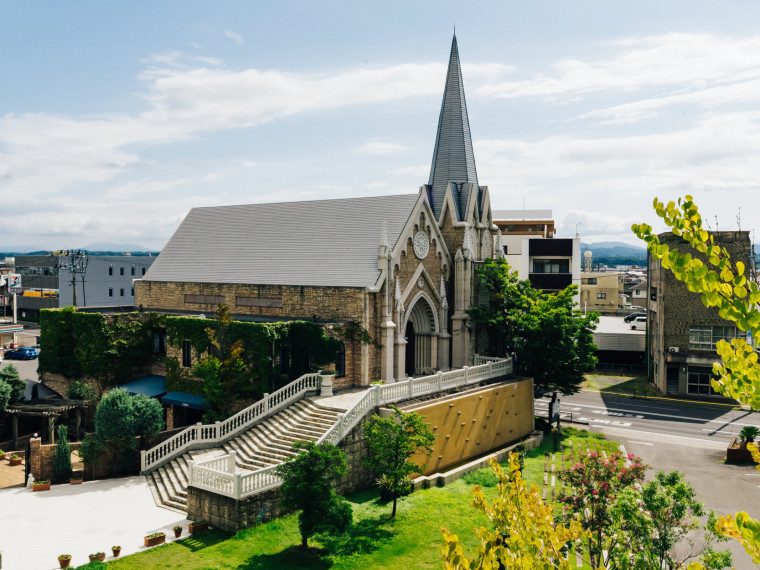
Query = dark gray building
x=682 y=332
x=97 y=281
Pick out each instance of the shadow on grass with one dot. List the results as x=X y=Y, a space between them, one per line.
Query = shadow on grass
x=636 y=386
x=294 y=557
x=195 y=542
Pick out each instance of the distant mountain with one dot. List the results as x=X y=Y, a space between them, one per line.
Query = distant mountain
x=614 y=249
x=111 y=246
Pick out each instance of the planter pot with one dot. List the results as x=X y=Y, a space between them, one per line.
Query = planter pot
x=64 y=562
x=326 y=385
x=116 y=552
x=177 y=533
x=40 y=487
x=196 y=528
x=76 y=481
x=15 y=462
x=737 y=452
x=101 y=557
x=154 y=540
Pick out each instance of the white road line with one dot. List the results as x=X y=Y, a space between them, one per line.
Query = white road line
x=720 y=431
x=647 y=443
x=664 y=436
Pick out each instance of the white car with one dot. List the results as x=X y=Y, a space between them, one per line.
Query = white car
x=640 y=323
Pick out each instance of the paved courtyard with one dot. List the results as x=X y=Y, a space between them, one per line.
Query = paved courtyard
x=79 y=520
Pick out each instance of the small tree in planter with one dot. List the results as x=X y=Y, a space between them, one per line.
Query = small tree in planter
x=62 y=458
x=748 y=434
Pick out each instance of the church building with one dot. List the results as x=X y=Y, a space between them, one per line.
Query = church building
x=391 y=276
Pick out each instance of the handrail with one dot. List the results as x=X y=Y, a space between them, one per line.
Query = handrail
x=238 y=485
x=201 y=435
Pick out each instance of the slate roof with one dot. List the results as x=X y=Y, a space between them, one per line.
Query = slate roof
x=453 y=157
x=324 y=242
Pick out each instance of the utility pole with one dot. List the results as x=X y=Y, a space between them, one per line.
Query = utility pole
x=74 y=260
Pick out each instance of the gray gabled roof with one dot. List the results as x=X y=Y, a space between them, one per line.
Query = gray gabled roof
x=453 y=158
x=324 y=242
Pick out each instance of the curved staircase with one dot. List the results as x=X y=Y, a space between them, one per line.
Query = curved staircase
x=265 y=444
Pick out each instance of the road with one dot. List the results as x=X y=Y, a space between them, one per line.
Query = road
x=710 y=423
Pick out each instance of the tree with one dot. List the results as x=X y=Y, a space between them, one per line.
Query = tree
x=525 y=534
x=10 y=376
x=222 y=370
x=307 y=486
x=594 y=481
x=533 y=324
x=661 y=515
x=5 y=395
x=392 y=441
x=120 y=418
x=62 y=457
x=736 y=297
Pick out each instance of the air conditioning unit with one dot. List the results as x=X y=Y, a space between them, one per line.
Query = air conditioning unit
x=673 y=349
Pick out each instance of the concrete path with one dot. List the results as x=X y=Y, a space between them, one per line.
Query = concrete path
x=79 y=520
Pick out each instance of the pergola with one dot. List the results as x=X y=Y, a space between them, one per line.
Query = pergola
x=50 y=409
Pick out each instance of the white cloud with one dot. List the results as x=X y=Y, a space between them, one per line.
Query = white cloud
x=234 y=36
x=378 y=147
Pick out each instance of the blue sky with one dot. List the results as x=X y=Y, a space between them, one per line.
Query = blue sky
x=117 y=118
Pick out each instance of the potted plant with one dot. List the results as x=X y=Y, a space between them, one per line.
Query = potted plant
x=101 y=556
x=155 y=538
x=2 y=455
x=64 y=560
x=15 y=460
x=177 y=531
x=76 y=478
x=197 y=526
x=737 y=451
x=41 y=486
x=748 y=434
x=116 y=551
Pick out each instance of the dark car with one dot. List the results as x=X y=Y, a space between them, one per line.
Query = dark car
x=632 y=317
x=23 y=353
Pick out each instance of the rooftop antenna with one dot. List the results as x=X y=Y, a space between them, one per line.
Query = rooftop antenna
x=577 y=234
x=739 y=218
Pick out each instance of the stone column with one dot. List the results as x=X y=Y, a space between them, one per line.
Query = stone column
x=388 y=353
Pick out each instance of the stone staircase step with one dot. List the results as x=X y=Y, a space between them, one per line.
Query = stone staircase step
x=297 y=422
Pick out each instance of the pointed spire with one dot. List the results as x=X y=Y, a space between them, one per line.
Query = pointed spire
x=467 y=241
x=498 y=245
x=384 y=246
x=399 y=301
x=444 y=301
x=453 y=158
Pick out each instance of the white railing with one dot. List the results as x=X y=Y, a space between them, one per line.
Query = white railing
x=224 y=480
x=205 y=435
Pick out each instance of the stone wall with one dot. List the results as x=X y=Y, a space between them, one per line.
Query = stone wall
x=232 y=515
x=42 y=457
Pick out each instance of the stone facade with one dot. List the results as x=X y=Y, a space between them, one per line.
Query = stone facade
x=673 y=311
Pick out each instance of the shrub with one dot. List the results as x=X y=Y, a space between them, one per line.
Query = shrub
x=481 y=477
x=11 y=377
x=62 y=458
x=749 y=433
x=80 y=390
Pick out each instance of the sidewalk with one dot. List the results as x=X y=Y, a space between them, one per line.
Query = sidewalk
x=79 y=520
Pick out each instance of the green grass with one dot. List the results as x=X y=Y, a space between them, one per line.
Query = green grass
x=412 y=540
x=620 y=383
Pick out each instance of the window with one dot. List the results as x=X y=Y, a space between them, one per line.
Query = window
x=601 y=295
x=159 y=342
x=706 y=338
x=143 y=271
x=340 y=361
x=133 y=270
x=187 y=354
x=121 y=292
x=505 y=249
x=589 y=280
x=110 y=291
x=551 y=266
x=121 y=271
x=110 y=270
x=132 y=293
x=698 y=381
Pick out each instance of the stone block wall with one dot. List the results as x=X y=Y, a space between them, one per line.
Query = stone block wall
x=42 y=457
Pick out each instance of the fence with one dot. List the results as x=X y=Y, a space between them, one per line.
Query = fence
x=219 y=475
x=205 y=435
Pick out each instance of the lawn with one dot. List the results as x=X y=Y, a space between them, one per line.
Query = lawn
x=620 y=383
x=412 y=540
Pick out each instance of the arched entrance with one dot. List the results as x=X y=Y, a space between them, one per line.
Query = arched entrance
x=420 y=331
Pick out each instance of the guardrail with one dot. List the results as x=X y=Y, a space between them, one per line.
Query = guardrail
x=219 y=475
x=204 y=435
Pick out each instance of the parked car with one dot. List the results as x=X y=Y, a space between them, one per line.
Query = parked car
x=22 y=353
x=634 y=316
x=639 y=323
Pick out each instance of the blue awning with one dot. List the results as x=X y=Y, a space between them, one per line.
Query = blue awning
x=184 y=400
x=153 y=386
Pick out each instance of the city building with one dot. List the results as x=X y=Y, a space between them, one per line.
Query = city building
x=66 y=279
x=400 y=269
x=530 y=248
x=602 y=291
x=682 y=332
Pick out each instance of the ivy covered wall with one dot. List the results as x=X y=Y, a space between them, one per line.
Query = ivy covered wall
x=116 y=348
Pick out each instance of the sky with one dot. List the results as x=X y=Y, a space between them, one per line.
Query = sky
x=116 y=118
